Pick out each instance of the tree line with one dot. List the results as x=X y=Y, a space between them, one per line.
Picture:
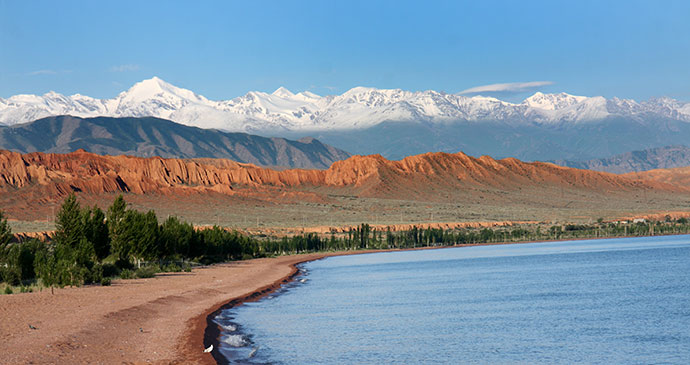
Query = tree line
x=92 y=246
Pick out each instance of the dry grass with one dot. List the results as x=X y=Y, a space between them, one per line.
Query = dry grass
x=339 y=207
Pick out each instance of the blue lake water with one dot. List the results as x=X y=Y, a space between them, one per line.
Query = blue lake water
x=600 y=301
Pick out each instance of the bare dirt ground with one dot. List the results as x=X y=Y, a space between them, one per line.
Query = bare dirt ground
x=158 y=320
x=548 y=204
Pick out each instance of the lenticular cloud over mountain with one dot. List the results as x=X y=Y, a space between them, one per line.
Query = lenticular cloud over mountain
x=513 y=87
x=357 y=108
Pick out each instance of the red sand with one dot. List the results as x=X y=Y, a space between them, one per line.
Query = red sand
x=159 y=320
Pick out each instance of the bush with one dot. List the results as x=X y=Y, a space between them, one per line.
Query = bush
x=171 y=267
x=84 y=276
x=11 y=275
x=110 y=270
x=105 y=281
x=126 y=274
x=8 y=290
x=187 y=267
x=124 y=264
x=146 y=272
x=97 y=273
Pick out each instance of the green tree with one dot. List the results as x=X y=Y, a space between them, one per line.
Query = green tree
x=175 y=238
x=137 y=236
x=69 y=226
x=96 y=232
x=7 y=273
x=73 y=251
x=5 y=231
x=114 y=217
x=46 y=264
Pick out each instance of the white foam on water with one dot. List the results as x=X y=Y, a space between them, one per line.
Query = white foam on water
x=235 y=341
x=228 y=327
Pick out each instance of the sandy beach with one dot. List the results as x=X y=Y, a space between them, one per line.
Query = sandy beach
x=161 y=320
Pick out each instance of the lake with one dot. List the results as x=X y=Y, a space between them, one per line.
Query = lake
x=597 y=301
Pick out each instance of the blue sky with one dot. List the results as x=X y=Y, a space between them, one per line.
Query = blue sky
x=631 y=49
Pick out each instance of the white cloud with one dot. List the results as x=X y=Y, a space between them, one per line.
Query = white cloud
x=42 y=72
x=512 y=87
x=124 y=68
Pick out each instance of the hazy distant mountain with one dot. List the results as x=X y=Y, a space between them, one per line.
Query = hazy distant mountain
x=635 y=161
x=398 y=123
x=395 y=140
x=148 y=137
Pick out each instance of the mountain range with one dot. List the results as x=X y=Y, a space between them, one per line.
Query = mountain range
x=635 y=161
x=394 y=122
x=148 y=137
x=357 y=108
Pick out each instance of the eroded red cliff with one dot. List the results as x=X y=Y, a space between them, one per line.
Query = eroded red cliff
x=373 y=176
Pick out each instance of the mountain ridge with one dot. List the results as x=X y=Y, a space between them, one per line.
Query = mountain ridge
x=666 y=157
x=147 y=137
x=357 y=108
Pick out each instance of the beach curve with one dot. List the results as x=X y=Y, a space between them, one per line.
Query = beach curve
x=161 y=320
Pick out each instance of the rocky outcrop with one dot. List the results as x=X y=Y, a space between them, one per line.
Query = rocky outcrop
x=372 y=176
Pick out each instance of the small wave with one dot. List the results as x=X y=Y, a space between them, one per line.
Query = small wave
x=235 y=341
x=228 y=327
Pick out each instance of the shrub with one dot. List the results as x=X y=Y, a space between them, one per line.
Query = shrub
x=146 y=272
x=105 y=281
x=109 y=270
x=126 y=274
x=187 y=267
x=96 y=273
x=84 y=276
x=8 y=290
x=124 y=264
x=172 y=267
x=11 y=275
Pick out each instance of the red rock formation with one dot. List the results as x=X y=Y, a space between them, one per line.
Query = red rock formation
x=374 y=176
x=679 y=176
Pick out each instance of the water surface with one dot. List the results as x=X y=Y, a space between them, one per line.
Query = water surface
x=599 y=301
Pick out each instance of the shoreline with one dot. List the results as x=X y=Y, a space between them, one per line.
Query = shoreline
x=205 y=328
x=163 y=320
x=211 y=332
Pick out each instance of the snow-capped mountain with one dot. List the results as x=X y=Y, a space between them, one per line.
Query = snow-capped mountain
x=357 y=108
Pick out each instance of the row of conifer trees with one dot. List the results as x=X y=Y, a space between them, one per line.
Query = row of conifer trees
x=90 y=245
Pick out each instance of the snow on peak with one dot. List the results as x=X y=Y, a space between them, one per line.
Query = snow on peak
x=553 y=101
x=307 y=95
x=155 y=86
x=359 y=107
x=283 y=93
